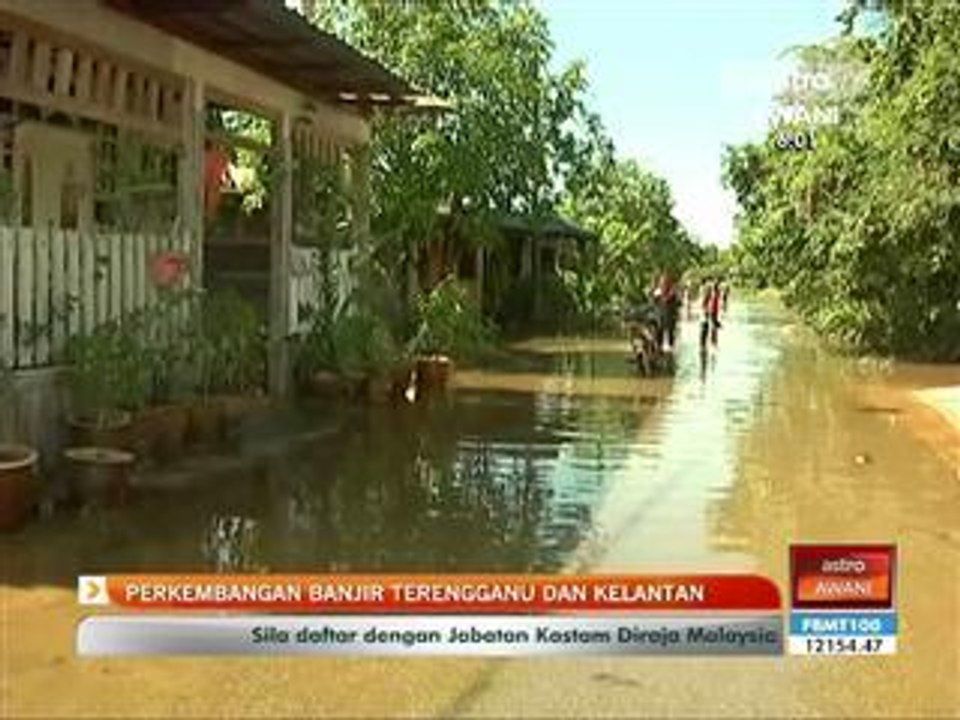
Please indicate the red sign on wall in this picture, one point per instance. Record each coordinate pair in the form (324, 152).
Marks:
(167, 269)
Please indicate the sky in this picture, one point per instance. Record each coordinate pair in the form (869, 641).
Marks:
(676, 80)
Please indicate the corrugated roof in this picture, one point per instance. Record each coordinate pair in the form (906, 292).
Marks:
(267, 36)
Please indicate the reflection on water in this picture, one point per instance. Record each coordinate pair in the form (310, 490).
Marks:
(492, 480)
(559, 456)
(230, 544)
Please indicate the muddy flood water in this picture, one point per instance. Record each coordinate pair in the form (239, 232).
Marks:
(559, 458)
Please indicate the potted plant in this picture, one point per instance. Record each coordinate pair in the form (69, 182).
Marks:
(18, 485)
(18, 463)
(108, 379)
(100, 474)
(366, 350)
(324, 361)
(240, 360)
(353, 355)
(449, 327)
(315, 363)
(163, 424)
(228, 354)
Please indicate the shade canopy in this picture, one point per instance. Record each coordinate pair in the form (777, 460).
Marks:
(545, 226)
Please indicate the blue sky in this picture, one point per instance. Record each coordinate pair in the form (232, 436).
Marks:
(674, 80)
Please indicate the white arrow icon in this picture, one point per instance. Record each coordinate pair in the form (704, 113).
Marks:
(92, 590)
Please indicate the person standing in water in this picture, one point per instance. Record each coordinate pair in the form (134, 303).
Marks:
(668, 303)
(712, 302)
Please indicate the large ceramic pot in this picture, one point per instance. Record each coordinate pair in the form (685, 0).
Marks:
(162, 431)
(433, 374)
(113, 429)
(100, 474)
(17, 485)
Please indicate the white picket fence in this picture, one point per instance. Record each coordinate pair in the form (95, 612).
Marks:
(55, 284)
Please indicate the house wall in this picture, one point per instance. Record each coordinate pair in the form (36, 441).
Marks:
(218, 78)
(93, 23)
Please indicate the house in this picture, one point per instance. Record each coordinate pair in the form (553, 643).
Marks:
(114, 116)
(506, 262)
(534, 252)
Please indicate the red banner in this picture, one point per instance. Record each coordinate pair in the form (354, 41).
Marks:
(511, 594)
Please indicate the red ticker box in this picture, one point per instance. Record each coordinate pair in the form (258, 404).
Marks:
(842, 576)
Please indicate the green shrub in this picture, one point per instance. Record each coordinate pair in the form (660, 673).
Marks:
(225, 344)
(449, 322)
(354, 340)
(108, 369)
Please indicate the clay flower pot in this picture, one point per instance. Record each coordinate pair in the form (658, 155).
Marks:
(100, 474)
(113, 429)
(433, 374)
(162, 431)
(17, 485)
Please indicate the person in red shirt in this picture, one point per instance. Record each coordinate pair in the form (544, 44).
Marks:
(711, 309)
(216, 171)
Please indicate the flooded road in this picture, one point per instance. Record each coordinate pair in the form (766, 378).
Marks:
(558, 459)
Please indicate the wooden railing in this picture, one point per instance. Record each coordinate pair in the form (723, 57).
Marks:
(44, 67)
(56, 284)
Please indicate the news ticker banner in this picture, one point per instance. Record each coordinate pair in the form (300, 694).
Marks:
(432, 594)
(492, 615)
(841, 604)
(843, 600)
(419, 635)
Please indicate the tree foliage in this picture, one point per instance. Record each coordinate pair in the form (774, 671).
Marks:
(520, 139)
(516, 133)
(631, 211)
(863, 233)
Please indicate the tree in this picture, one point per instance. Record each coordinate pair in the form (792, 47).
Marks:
(631, 210)
(517, 134)
(863, 233)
